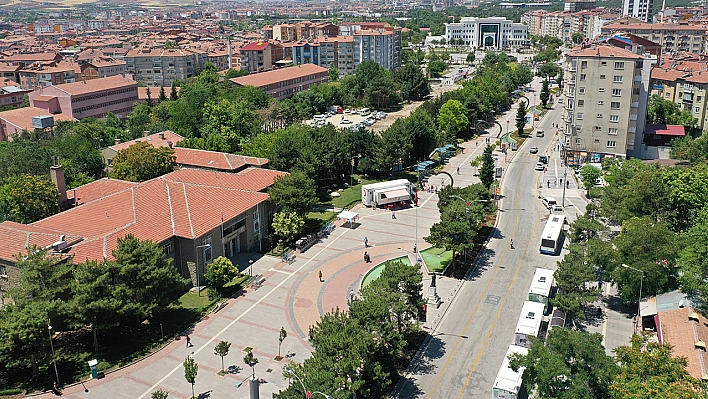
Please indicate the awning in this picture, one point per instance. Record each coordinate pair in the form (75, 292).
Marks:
(393, 195)
(648, 307)
(348, 215)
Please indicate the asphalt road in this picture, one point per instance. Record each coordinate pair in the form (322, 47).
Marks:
(462, 356)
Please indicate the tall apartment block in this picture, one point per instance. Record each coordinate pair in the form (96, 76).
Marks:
(382, 46)
(606, 96)
(641, 9)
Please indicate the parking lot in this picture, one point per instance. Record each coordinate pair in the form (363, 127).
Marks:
(344, 120)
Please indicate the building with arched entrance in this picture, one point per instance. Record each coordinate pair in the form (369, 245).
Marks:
(490, 33)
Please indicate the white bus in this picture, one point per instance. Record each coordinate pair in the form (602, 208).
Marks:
(552, 236)
(508, 382)
(529, 323)
(364, 111)
(541, 286)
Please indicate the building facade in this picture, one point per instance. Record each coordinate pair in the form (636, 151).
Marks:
(672, 37)
(640, 9)
(285, 82)
(606, 93)
(382, 46)
(495, 32)
(162, 67)
(92, 98)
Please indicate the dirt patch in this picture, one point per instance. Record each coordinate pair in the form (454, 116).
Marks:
(384, 124)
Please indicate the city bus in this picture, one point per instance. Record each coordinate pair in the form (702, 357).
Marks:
(541, 287)
(552, 237)
(508, 382)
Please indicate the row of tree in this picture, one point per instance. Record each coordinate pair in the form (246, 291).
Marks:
(360, 352)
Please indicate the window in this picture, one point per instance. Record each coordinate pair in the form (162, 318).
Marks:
(697, 110)
(580, 115)
(667, 95)
(601, 89)
(602, 76)
(581, 90)
(603, 63)
(577, 141)
(581, 103)
(582, 77)
(611, 144)
(614, 118)
(167, 249)
(616, 92)
(615, 105)
(600, 103)
(598, 128)
(583, 64)
(613, 130)
(599, 115)
(698, 98)
(619, 65)
(617, 79)
(3, 271)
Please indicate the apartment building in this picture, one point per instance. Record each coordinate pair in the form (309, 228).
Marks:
(492, 32)
(257, 57)
(89, 98)
(102, 67)
(686, 84)
(339, 51)
(640, 9)
(11, 71)
(284, 32)
(381, 46)
(162, 67)
(563, 24)
(285, 82)
(38, 75)
(672, 37)
(578, 5)
(606, 93)
(306, 52)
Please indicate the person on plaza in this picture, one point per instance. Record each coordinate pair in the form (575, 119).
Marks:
(366, 242)
(567, 184)
(393, 214)
(320, 275)
(511, 243)
(366, 256)
(561, 180)
(458, 170)
(189, 342)
(351, 296)
(549, 183)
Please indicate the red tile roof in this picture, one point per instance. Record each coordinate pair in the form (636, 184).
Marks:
(682, 334)
(278, 75)
(668, 75)
(603, 51)
(259, 46)
(186, 203)
(665, 130)
(94, 85)
(162, 139)
(22, 117)
(215, 160)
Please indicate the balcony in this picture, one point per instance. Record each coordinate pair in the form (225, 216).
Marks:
(638, 78)
(633, 117)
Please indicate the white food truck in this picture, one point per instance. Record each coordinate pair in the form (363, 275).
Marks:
(387, 192)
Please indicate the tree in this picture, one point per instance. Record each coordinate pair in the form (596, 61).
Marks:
(693, 258)
(141, 161)
(590, 174)
(159, 394)
(163, 96)
(281, 338)
(190, 371)
(288, 225)
(521, 118)
(173, 92)
(452, 119)
(470, 58)
(436, 68)
(577, 37)
(382, 92)
(475, 163)
(458, 226)
(23, 329)
(220, 272)
(148, 99)
(234, 120)
(576, 280)
(222, 349)
(486, 174)
(235, 73)
(150, 281)
(647, 370)
(29, 198)
(332, 73)
(414, 85)
(545, 93)
(570, 364)
(393, 146)
(294, 192)
(250, 360)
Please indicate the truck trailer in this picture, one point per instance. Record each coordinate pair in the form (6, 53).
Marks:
(387, 192)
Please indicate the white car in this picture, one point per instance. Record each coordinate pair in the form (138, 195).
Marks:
(345, 121)
(539, 166)
(347, 111)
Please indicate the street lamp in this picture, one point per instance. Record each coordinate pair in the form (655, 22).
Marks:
(54, 357)
(199, 287)
(641, 285)
(308, 394)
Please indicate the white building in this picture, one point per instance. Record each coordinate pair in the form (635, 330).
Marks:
(641, 9)
(379, 45)
(495, 32)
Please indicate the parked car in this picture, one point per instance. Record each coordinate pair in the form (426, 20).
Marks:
(345, 121)
(534, 150)
(539, 166)
(347, 111)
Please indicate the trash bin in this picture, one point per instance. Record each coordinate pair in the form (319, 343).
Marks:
(94, 368)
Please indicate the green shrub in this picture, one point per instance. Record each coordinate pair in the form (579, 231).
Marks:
(8, 392)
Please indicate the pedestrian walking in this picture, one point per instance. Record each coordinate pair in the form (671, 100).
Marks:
(366, 242)
(351, 296)
(555, 182)
(458, 170)
(366, 256)
(189, 342)
(561, 181)
(393, 214)
(320, 275)
(567, 184)
(415, 248)
(549, 183)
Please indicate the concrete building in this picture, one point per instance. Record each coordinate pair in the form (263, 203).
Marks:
(102, 68)
(606, 93)
(39, 75)
(306, 52)
(686, 84)
(640, 9)
(285, 82)
(382, 46)
(578, 5)
(499, 33)
(672, 37)
(162, 67)
(339, 51)
(257, 57)
(92, 98)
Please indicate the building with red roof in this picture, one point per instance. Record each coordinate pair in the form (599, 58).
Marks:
(195, 215)
(285, 82)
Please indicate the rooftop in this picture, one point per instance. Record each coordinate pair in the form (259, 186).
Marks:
(94, 85)
(278, 75)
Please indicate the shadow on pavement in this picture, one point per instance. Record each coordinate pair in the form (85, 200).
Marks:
(204, 395)
(615, 304)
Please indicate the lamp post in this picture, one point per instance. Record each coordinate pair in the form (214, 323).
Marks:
(54, 357)
(308, 394)
(639, 301)
(199, 287)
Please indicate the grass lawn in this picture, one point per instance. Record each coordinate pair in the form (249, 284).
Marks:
(192, 300)
(375, 272)
(350, 195)
(436, 259)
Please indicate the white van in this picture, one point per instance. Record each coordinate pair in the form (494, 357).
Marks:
(364, 111)
(549, 202)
